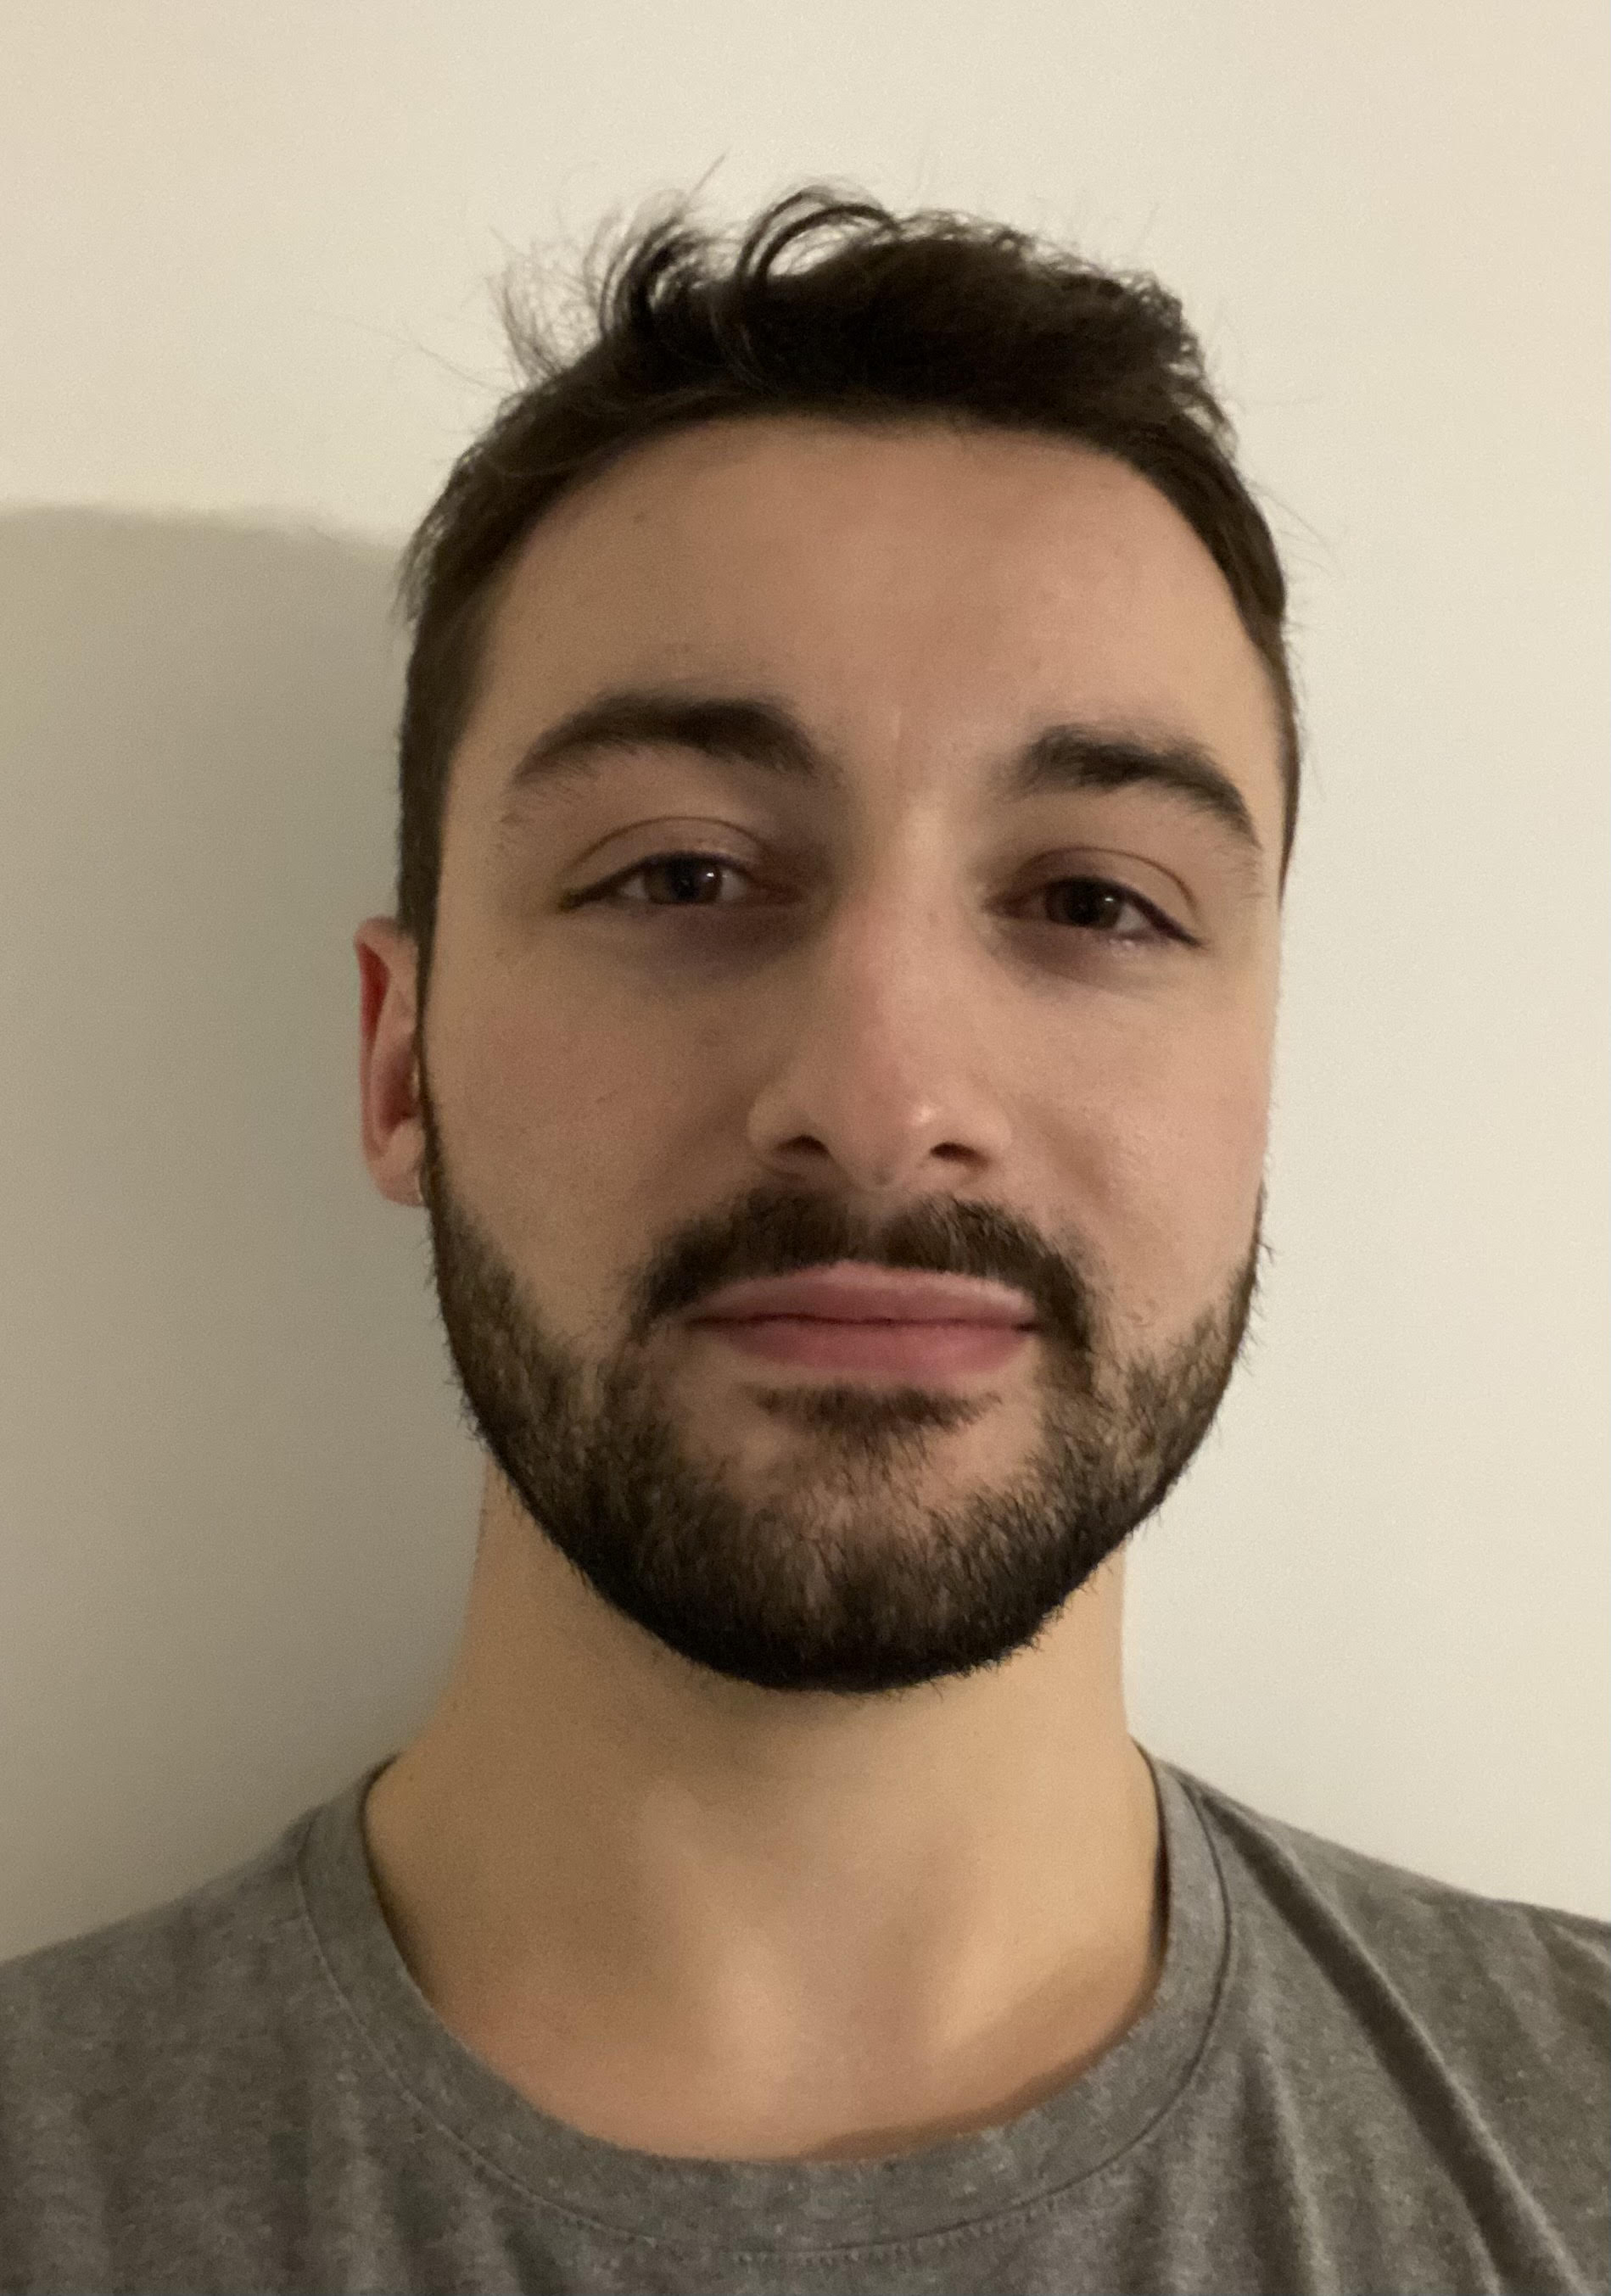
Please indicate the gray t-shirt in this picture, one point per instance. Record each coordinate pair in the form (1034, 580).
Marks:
(1351, 2079)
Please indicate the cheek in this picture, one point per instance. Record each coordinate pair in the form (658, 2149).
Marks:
(573, 1124)
(1216, 1160)
(1179, 1177)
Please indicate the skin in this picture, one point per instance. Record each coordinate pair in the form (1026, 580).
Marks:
(781, 1802)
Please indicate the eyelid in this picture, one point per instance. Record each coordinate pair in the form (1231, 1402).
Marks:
(1164, 928)
(688, 842)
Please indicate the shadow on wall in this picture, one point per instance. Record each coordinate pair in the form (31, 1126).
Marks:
(236, 1500)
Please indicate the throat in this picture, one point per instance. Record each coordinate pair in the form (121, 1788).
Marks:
(848, 2101)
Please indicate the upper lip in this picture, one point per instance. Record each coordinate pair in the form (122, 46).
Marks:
(870, 1295)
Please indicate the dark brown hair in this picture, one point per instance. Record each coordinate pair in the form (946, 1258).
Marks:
(928, 317)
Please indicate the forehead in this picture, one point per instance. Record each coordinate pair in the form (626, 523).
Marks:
(921, 589)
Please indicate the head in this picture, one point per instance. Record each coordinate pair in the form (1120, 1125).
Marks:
(913, 594)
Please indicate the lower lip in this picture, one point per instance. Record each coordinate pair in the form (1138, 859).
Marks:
(913, 1350)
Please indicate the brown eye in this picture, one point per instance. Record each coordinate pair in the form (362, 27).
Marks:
(1088, 904)
(692, 879)
(1091, 903)
(694, 874)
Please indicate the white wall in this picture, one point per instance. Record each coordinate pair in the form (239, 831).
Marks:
(244, 267)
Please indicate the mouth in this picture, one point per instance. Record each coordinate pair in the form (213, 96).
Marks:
(903, 1349)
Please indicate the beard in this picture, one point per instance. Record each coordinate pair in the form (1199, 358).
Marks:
(832, 1574)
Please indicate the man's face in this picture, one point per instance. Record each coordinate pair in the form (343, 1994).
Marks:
(899, 1027)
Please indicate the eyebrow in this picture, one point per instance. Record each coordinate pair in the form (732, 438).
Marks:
(753, 731)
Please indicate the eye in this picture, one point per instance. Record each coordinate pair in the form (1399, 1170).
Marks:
(697, 875)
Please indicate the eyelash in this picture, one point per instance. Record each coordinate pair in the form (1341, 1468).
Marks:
(1160, 932)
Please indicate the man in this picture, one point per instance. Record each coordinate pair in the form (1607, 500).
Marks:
(848, 773)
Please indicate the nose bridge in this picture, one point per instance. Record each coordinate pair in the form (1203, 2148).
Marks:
(883, 1029)
(895, 906)
(901, 828)
(891, 1002)
(880, 1051)
(895, 923)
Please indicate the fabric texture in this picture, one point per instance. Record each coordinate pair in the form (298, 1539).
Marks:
(1351, 2079)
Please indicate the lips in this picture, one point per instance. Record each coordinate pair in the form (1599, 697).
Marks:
(849, 1294)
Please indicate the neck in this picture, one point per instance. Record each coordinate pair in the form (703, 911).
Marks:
(672, 1907)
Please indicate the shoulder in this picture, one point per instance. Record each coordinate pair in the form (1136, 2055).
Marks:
(1497, 1977)
(143, 2070)
(94, 2025)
